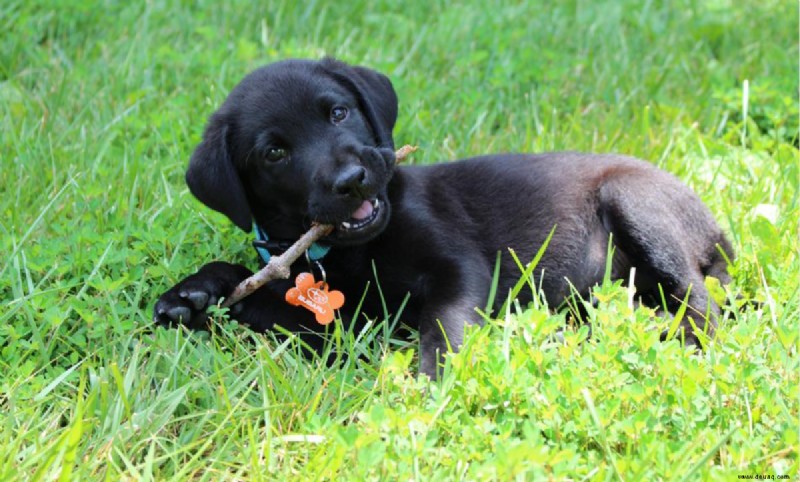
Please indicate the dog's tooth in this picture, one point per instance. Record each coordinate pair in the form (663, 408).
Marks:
(346, 225)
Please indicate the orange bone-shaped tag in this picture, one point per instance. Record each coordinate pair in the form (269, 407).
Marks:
(315, 297)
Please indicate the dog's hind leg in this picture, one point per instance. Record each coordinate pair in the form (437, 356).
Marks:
(452, 306)
(673, 241)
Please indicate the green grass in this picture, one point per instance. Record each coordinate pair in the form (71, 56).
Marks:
(101, 104)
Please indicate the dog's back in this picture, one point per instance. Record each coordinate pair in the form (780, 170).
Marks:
(657, 224)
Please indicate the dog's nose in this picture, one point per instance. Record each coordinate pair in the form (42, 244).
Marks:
(350, 181)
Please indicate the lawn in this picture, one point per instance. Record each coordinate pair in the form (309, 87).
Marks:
(101, 104)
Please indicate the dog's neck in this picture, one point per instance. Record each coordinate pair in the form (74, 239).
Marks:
(267, 248)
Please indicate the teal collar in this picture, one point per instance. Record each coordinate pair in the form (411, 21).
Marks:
(263, 244)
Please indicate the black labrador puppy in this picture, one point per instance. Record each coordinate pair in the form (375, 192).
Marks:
(303, 141)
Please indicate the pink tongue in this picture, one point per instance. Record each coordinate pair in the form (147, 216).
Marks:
(363, 212)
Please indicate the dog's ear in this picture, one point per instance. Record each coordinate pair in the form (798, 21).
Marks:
(374, 92)
(212, 177)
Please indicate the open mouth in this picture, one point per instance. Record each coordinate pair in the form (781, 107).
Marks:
(364, 223)
(362, 218)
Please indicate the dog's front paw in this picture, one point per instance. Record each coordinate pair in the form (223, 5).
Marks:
(186, 303)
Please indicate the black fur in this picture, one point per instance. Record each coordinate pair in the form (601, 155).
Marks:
(437, 229)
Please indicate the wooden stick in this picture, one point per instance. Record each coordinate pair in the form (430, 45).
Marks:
(279, 266)
(404, 152)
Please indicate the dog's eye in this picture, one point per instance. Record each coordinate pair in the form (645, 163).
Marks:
(275, 154)
(338, 114)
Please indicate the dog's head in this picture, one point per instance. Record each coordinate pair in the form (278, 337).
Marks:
(301, 141)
